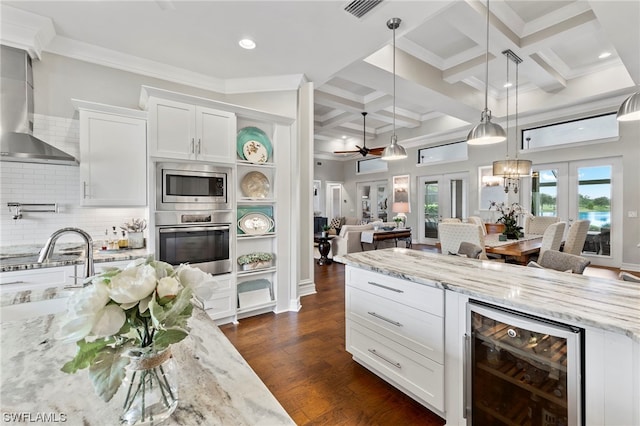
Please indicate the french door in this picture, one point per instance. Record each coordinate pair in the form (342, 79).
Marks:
(373, 201)
(586, 189)
(441, 196)
(334, 200)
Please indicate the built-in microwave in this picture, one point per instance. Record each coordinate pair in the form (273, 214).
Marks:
(190, 186)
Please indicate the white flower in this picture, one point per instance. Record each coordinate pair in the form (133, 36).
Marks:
(133, 284)
(199, 281)
(108, 321)
(84, 308)
(168, 287)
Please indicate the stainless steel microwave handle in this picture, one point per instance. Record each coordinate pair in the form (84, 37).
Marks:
(194, 229)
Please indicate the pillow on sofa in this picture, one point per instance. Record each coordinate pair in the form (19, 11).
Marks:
(336, 222)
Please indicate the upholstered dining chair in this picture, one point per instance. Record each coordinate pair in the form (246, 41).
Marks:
(625, 276)
(552, 237)
(538, 224)
(559, 261)
(451, 234)
(576, 237)
(478, 221)
(450, 220)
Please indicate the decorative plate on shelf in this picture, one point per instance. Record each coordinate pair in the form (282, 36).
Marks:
(253, 145)
(255, 223)
(255, 185)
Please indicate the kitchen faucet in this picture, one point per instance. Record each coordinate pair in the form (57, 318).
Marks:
(47, 250)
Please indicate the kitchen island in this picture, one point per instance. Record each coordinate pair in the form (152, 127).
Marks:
(432, 291)
(216, 385)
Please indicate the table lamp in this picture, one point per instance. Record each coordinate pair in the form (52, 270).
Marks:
(401, 209)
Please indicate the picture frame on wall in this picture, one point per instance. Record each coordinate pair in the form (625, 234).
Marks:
(401, 189)
(490, 188)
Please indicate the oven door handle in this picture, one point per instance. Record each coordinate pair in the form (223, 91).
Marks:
(193, 229)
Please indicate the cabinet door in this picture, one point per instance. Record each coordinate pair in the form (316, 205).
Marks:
(113, 160)
(172, 130)
(215, 135)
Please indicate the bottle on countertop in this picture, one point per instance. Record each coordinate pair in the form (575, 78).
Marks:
(123, 243)
(113, 240)
(105, 243)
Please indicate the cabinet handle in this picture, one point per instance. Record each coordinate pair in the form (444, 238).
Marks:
(192, 146)
(384, 358)
(84, 189)
(466, 347)
(396, 323)
(386, 287)
(199, 144)
(14, 282)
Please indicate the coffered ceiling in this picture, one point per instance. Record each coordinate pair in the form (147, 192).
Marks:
(440, 61)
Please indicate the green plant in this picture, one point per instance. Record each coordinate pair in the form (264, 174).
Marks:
(326, 228)
(254, 257)
(397, 219)
(509, 217)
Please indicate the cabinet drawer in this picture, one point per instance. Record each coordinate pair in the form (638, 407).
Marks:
(418, 376)
(223, 284)
(419, 296)
(413, 328)
(220, 306)
(37, 278)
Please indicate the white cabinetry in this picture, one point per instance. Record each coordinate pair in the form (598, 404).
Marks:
(190, 132)
(39, 279)
(396, 329)
(113, 156)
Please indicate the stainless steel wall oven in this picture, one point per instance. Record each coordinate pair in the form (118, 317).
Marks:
(198, 238)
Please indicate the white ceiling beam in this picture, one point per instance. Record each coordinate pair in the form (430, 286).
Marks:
(624, 34)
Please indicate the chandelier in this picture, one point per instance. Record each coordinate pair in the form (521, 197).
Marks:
(511, 170)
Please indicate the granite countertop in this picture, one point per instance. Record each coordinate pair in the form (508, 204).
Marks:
(571, 298)
(24, 257)
(217, 386)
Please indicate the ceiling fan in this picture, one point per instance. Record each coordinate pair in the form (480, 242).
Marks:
(364, 151)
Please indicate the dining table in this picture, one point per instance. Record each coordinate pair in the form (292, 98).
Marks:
(519, 251)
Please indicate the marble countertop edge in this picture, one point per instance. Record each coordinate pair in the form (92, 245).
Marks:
(583, 301)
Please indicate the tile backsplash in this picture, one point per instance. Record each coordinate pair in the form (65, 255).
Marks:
(43, 183)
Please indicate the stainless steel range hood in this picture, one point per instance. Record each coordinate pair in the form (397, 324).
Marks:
(17, 142)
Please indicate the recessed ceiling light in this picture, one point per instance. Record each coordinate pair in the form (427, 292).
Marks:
(247, 43)
(604, 55)
(508, 84)
(344, 137)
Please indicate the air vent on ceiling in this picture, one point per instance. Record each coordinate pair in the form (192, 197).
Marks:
(359, 8)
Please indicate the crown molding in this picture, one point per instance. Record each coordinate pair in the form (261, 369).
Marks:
(35, 34)
(25, 30)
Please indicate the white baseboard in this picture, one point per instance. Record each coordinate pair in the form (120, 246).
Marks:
(306, 288)
(630, 267)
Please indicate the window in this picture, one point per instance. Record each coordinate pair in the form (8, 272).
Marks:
(577, 131)
(456, 151)
(371, 165)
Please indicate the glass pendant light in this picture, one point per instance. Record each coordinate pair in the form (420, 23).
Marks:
(630, 108)
(486, 132)
(394, 151)
(512, 170)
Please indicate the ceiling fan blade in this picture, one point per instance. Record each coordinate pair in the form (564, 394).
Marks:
(376, 151)
(346, 152)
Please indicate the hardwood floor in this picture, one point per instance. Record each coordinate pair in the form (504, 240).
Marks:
(301, 357)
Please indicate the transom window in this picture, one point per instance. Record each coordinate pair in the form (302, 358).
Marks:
(456, 151)
(571, 132)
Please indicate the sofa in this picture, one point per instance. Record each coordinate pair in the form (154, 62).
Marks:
(348, 240)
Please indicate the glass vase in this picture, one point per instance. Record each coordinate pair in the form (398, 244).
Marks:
(151, 385)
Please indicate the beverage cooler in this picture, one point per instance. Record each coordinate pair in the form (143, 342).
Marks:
(521, 370)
